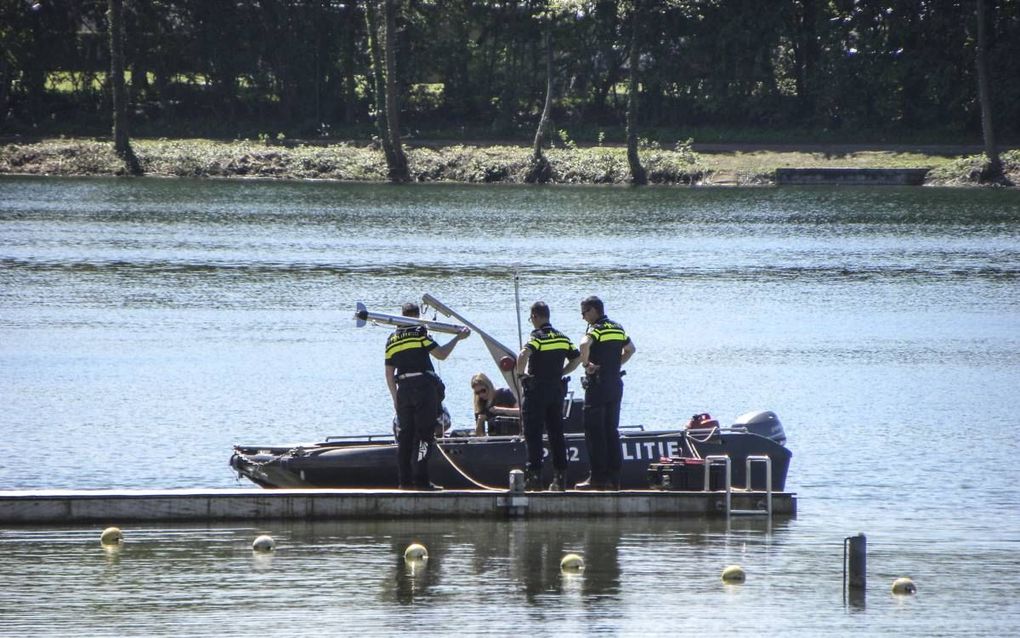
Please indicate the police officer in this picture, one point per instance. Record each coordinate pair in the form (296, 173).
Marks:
(604, 349)
(415, 388)
(541, 362)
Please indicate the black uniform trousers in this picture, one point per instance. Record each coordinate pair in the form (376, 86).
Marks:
(542, 409)
(602, 428)
(417, 411)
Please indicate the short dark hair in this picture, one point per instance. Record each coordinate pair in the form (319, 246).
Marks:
(593, 302)
(540, 309)
(410, 309)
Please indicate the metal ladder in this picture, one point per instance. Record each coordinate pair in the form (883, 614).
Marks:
(724, 459)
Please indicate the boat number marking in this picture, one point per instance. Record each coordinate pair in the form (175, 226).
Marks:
(633, 451)
(573, 454)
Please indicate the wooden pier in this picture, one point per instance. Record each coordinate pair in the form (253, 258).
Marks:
(39, 507)
(852, 176)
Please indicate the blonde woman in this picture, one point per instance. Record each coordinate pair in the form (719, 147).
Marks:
(490, 402)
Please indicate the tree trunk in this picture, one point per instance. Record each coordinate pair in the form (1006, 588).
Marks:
(398, 169)
(347, 66)
(378, 81)
(604, 82)
(384, 82)
(5, 83)
(458, 92)
(503, 124)
(541, 170)
(806, 55)
(33, 72)
(121, 143)
(638, 176)
(992, 171)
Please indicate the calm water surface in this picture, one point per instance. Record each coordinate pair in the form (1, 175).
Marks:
(147, 325)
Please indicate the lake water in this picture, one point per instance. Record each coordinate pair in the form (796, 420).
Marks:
(147, 325)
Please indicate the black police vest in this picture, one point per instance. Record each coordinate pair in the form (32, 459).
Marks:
(608, 340)
(549, 349)
(408, 350)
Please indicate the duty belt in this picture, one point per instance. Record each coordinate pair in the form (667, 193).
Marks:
(409, 375)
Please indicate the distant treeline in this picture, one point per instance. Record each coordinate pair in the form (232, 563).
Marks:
(844, 68)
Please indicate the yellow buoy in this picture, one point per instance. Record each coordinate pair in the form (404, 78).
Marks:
(572, 563)
(416, 551)
(904, 586)
(111, 536)
(734, 574)
(264, 543)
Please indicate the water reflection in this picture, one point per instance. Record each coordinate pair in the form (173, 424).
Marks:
(482, 576)
(503, 560)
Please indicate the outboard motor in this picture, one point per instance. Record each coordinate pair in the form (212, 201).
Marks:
(764, 424)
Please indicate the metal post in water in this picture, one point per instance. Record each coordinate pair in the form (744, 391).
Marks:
(516, 482)
(516, 502)
(855, 567)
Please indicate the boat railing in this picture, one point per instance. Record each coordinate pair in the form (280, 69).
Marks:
(457, 438)
(370, 438)
(625, 430)
(633, 428)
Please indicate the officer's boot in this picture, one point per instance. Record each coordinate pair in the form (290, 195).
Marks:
(532, 481)
(559, 482)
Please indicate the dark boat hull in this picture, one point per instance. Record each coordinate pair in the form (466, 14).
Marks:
(370, 462)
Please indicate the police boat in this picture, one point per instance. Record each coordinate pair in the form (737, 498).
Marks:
(465, 461)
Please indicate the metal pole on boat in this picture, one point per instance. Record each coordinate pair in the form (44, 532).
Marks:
(501, 354)
(517, 300)
(363, 317)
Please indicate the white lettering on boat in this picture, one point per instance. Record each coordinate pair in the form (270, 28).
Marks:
(635, 451)
(649, 450)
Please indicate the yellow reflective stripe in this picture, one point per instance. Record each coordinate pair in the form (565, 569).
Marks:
(552, 342)
(552, 345)
(406, 344)
(609, 334)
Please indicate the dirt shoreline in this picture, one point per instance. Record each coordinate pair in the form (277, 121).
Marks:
(710, 164)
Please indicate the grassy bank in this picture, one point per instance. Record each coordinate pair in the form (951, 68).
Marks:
(468, 163)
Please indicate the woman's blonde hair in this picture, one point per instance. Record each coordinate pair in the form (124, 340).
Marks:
(481, 405)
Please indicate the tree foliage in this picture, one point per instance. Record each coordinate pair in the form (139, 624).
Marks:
(838, 68)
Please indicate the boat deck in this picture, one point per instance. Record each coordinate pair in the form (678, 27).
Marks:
(33, 507)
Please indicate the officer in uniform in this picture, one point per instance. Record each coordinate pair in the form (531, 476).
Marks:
(541, 365)
(415, 388)
(604, 349)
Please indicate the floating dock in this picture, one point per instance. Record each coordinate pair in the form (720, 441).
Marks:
(852, 176)
(41, 507)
